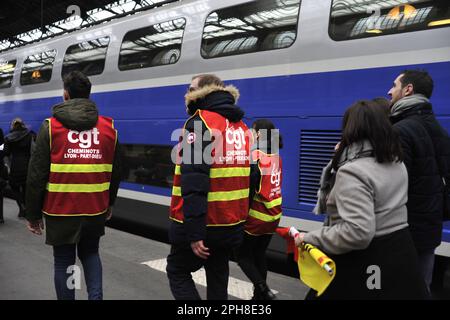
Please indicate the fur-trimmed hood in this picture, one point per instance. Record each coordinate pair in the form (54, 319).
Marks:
(203, 92)
(217, 99)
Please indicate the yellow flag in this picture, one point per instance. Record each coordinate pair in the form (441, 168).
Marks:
(316, 269)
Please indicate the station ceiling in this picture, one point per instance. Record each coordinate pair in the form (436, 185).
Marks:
(19, 16)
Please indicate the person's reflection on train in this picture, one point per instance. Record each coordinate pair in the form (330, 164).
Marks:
(210, 191)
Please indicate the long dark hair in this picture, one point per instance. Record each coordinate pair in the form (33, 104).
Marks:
(367, 120)
(270, 137)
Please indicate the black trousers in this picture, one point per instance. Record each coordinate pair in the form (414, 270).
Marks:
(1, 204)
(251, 257)
(182, 261)
(19, 194)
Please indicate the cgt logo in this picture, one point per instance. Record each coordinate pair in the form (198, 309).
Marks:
(275, 178)
(236, 137)
(84, 138)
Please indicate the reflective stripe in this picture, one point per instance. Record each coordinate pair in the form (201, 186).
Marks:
(263, 217)
(80, 168)
(220, 195)
(75, 214)
(228, 195)
(68, 187)
(270, 204)
(223, 172)
(176, 191)
(229, 172)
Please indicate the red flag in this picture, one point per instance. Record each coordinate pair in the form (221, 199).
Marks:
(291, 248)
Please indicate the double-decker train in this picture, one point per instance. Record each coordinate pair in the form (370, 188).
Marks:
(297, 62)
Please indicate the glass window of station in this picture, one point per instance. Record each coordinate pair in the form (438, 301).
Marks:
(7, 68)
(88, 57)
(37, 68)
(148, 164)
(352, 19)
(152, 46)
(251, 27)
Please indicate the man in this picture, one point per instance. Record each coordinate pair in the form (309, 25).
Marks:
(427, 157)
(73, 178)
(211, 189)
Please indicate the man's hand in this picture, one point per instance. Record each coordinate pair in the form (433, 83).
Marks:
(35, 227)
(199, 249)
(109, 213)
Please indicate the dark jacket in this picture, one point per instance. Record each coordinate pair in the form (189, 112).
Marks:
(3, 170)
(18, 149)
(424, 154)
(389, 261)
(195, 177)
(79, 115)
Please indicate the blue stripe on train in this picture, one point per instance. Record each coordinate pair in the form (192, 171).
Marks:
(148, 116)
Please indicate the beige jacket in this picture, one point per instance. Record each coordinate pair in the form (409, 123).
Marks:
(367, 200)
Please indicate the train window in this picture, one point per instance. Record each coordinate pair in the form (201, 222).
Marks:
(7, 68)
(148, 164)
(152, 46)
(352, 19)
(87, 57)
(254, 26)
(37, 68)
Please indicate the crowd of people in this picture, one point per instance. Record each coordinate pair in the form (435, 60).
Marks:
(383, 194)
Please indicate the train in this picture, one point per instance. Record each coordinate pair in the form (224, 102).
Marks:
(300, 63)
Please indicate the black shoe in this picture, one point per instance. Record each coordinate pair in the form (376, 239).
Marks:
(264, 292)
(2, 221)
(21, 214)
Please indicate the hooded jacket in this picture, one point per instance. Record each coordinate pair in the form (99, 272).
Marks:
(18, 148)
(195, 177)
(79, 115)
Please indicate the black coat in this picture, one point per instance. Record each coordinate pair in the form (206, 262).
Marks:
(425, 156)
(195, 177)
(387, 270)
(18, 149)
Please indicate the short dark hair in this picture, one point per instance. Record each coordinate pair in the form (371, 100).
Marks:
(77, 85)
(420, 80)
(273, 135)
(208, 79)
(365, 120)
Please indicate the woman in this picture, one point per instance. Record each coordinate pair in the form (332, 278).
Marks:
(366, 231)
(265, 207)
(18, 144)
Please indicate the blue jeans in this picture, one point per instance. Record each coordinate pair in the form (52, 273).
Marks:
(65, 256)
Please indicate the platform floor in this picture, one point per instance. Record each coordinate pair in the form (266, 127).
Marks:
(133, 268)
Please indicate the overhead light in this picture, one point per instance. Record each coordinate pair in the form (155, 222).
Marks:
(408, 12)
(439, 23)
(376, 31)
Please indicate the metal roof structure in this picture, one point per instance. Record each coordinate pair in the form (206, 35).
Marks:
(26, 21)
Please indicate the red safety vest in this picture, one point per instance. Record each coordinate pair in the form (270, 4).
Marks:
(80, 169)
(265, 210)
(229, 173)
